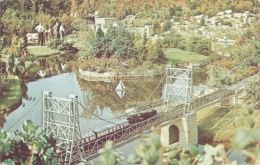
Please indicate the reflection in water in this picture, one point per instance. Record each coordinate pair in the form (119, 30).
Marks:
(103, 94)
(98, 98)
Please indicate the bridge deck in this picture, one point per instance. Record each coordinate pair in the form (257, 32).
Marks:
(134, 130)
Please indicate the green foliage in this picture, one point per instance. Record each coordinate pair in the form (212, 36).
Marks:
(99, 33)
(167, 26)
(4, 84)
(66, 46)
(219, 77)
(193, 5)
(155, 51)
(246, 55)
(60, 44)
(84, 40)
(253, 91)
(117, 42)
(228, 23)
(202, 20)
(199, 45)
(54, 43)
(33, 146)
(174, 40)
(175, 10)
(247, 140)
(110, 156)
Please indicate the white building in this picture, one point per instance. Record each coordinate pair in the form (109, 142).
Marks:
(105, 23)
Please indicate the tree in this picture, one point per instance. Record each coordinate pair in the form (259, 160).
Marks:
(199, 45)
(99, 33)
(121, 44)
(32, 146)
(3, 79)
(167, 26)
(155, 51)
(174, 40)
(202, 20)
(141, 49)
(117, 43)
(253, 91)
(85, 36)
(219, 77)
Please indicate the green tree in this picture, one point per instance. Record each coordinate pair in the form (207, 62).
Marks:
(175, 10)
(174, 40)
(117, 42)
(219, 77)
(3, 79)
(167, 26)
(253, 91)
(155, 51)
(202, 20)
(99, 33)
(84, 38)
(141, 50)
(199, 45)
(122, 44)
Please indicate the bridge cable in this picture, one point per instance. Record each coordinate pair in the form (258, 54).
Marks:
(24, 116)
(95, 115)
(152, 92)
(125, 113)
(116, 117)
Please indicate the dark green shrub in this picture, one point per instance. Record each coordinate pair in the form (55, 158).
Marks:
(54, 43)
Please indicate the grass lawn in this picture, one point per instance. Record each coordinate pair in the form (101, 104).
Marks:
(42, 51)
(216, 123)
(14, 95)
(179, 56)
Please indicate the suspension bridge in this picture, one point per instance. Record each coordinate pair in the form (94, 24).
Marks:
(61, 117)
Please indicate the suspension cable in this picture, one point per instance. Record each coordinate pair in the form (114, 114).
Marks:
(24, 116)
(117, 117)
(152, 92)
(96, 115)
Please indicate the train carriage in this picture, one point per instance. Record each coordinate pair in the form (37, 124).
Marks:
(88, 137)
(111, 128)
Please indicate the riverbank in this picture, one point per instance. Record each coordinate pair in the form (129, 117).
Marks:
(111, 76)
(12, 98)
(219, 124)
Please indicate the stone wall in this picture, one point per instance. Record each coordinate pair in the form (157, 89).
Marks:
(188, 132)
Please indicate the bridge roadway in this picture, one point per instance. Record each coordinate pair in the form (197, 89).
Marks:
(133, 131)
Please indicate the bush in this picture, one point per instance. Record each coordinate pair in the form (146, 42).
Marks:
(228, 23)
(60, 44)
(54, 43)
(65, 46)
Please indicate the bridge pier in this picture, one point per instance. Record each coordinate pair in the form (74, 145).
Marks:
(182, 131)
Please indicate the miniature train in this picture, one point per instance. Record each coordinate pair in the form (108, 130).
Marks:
(102, 133)
(132, 119)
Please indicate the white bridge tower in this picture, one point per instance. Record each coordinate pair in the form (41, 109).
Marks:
(61, 119)
(179, 89)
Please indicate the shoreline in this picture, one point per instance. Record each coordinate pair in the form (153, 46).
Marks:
(112, 76)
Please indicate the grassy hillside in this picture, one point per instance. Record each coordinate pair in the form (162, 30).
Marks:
(180, 56)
